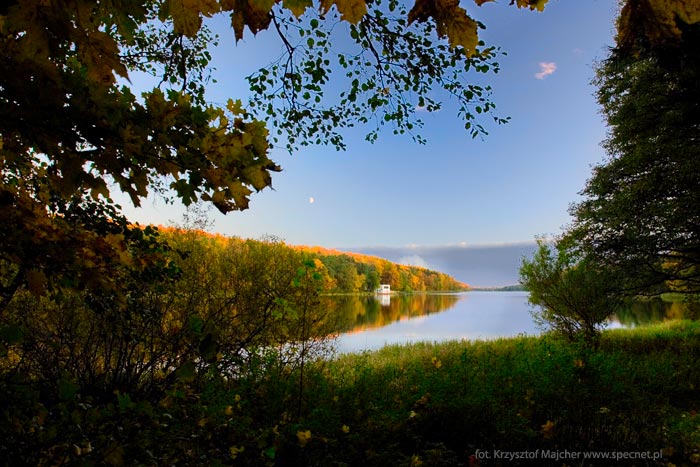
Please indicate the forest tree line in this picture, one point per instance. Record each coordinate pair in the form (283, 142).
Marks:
(337, 271)
(354, 272)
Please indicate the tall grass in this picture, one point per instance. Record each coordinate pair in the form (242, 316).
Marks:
(449, 403)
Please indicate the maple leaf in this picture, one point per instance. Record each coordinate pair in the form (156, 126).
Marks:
(461, 30)
(187, 14)
(548, 429)
(304, 437)
(254, 14)
(658, 21)
(351, 11)
(235, 451)
(531, 4)
(451, 20)
(297, 7)
(100, 53)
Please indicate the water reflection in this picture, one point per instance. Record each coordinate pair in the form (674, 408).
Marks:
(359, 313)
(432, 317)
(643, 312)
(367, 323)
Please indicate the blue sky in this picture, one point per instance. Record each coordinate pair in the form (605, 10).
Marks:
(454, 191)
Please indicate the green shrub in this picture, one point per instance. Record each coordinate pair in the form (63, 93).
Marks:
(575, 295)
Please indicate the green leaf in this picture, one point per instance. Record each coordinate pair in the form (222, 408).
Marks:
(196, 324)
(270, 452)
(124, 402)
(187, 372)
(67, 389)
(12, 334)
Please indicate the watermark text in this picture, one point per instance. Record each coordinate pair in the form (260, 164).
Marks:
(565, 454)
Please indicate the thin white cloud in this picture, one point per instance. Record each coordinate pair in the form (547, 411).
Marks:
(546, 68)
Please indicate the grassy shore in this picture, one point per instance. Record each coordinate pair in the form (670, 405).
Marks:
(521, 401)
(635, 397)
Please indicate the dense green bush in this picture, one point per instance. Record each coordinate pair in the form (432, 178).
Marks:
(147, 373)
(575, 296)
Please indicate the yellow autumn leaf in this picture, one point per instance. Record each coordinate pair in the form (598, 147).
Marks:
(235, 451)
(460, 29)
(351, 11)
(297, 7)
(451, 21)
(304, 437)
(688, 12)
(235, 106)
(531, 4)
(255, 15)
(548, 429)
(656, 20)
(187, 14)
(12, 357)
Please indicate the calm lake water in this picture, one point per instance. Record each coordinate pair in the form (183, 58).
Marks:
(434, 317)
(369, 323)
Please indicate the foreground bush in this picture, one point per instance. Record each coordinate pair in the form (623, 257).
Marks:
(423, 404)
(575, 296)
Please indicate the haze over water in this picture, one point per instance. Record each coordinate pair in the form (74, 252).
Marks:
(479, 266)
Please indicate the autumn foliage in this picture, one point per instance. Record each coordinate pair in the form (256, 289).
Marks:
(354, 272)
(211, 318)
(123, 345)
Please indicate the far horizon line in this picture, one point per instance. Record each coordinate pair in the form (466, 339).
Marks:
(465, 245)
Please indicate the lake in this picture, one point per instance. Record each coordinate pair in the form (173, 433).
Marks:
(433, 317)
(369, 323)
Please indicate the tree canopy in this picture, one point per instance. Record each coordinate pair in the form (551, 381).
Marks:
(152, 344)
(640, 208)
(637, 229)
(73, 130)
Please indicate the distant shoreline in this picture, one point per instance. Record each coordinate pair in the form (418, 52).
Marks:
(507, 288)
